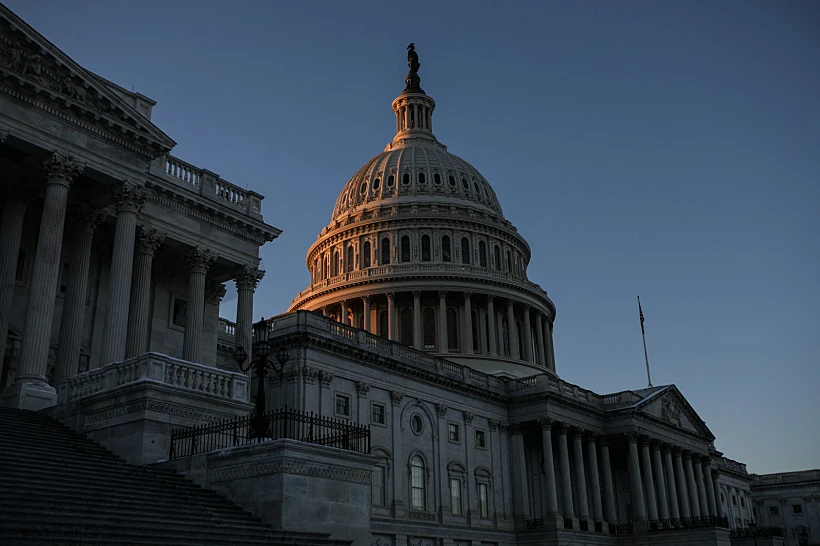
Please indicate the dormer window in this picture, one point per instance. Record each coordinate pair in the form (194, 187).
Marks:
(451, 181)
(422, 179)
(437, 178)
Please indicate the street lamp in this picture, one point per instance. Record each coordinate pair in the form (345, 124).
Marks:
(261, 364)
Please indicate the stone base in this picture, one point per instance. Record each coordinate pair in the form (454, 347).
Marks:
(30, 395)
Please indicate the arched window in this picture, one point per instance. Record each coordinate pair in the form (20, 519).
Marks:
(383, 324)
(422, 179)
(385, 257)
(390, 180)
(465, 250)
(417, 484)
(406, 327)
(509, 262)
(335, 264)
(482, 254)
(437, 178)
(451, 181)
(316, 271)
(497, 256)
(452, 329)
(366, 254)
(428, 318)
(446, 251)
(505, 334)
(476, 332)
(405, 249)
(405, 179)
(326, 265)
(349, 264)
(426, 253)
(465, 185)
(363, 188)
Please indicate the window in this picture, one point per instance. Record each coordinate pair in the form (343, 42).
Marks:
(416, 424)
(426, 254)
(465, 185)
(742, 502)
(477, 191)
(349, 260)
(797, 509)
(376, 183)
(437, 178)
(734, 500)
(343, 405)
(406, 327)
(452, 329)
(446, 251)
(377, 488)
(335, 265)
(455, 496)
(480, 438)
(363, 188)
(483, 500)
(509, 261)
(405, 179)
(451, 181)
(383, 324)
(453, 433)
(366, 254)
(385, 257)
(180, 311)
(422, 179)
(417, 484)
(377, 414)
(390, 181)
(465, 250)
(482, 254)
(428, 318)
(774, 510)
(497, 256)
(405, 249)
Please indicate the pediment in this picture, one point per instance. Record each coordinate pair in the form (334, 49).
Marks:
(670, 406)
(32, 69)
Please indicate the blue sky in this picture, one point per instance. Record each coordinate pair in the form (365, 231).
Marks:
(667, 149)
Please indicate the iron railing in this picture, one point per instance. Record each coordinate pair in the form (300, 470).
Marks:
(283, 423)
(688, 523)
(763, 532)
(535, 524)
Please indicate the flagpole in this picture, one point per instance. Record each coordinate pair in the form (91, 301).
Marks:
(643, 334)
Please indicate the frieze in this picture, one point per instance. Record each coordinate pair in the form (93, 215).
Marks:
(153, 406)
(291, 466)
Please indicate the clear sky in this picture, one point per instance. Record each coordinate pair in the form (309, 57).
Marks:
(667, 149)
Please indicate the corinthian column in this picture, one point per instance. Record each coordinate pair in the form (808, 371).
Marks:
(492, 333)
(660, 483)
(674, 513)
(13, 211)
(566, 481)
(467, 346)
(580, 476)
(442, 322)
(199, 261)
(635, 486)
(710, 488)
(539, 339)
(527, 325)
(512, 330)
(247, 278)
(549, 467)
(691, 485)
(594, 482)
(702, 500)
(366, 311)
(609, 491)
(71, 325)
(30, 389)
(680, 482)
(129, 199)
(148, 241)
(651, 504)
(417, 341)
(391, 319)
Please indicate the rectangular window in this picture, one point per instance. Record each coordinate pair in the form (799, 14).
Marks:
(483, 501)
(343, 405)
(377, 489)
(377, 414)
(797, 508)
(734, 500)
(452, 432)
(742, 502)
(774, 511)
(455, 496)
(480, 438)
(180, 311)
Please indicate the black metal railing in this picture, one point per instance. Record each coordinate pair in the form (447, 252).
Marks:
(535, 524)
(700, 522)
(282, 423)
(760, 532)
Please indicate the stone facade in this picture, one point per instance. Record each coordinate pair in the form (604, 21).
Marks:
(789, 500)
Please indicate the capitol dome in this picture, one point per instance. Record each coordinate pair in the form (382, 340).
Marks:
(418, 251)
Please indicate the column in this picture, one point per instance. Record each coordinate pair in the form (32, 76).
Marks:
(71, 325)
(609, 490)
(649, 482)
(482, 330)
(519, 466)
(148, 241)
(715, 475)
(391, 319)
(710, 489)
(594, 482)
(635, 486)
(343, 312)
(467, 346)
(30, 390)
(417, 343)
(491, 329)
(674, 513)
(199, 260)
(129, 199)
(13, 212)
(660, 483)
(442, 322)
(247, 278)
(513, 331)
(702, 502)
(566, 483)
(680, 482)
(366, 303)
(580, 477)
(539, 339)
(527, 325)
(550, 348)
(691, 487)
(549, 467)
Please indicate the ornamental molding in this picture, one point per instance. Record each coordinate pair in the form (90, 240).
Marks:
(362, 388)
(247, 277)
(156, 406)
(326, 378)
(441, 410)
(309, 375)
(290, 466)
(62, 169)
(148, 240)
(129, 197)
(396, 397)
(468, 417)
(200, 259)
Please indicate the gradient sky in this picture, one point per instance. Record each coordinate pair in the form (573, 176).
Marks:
(667, 149)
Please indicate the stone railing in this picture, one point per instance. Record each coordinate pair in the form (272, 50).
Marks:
(159, 369)
(227, 330)
(786, 477)
(548, 383)
(206, 184)
(724, 463)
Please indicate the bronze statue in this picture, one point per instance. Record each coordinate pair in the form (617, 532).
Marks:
(413, 58)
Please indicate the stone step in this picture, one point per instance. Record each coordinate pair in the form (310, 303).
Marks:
(41, 446)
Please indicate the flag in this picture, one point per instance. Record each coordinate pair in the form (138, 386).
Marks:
(640, 312)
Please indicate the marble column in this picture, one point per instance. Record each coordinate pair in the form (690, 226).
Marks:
(550, 348)
(13, 211)
(550, 493)
(148, 241)
(649, 482)
(594, 482)
(715, 475)
(129, 199)
(539, 339)
(710, 489)
(482, 331)
(417, 341)
(512, 328)
(442, 321)
(199, 261)
(674, 513)
(391, 316)
(71, 325)
(527, 325)
(467, 346)
(30, 389)
(246, 278)
(701, 486)
(660, 482)
(635, 485)
(519, 466)
(366, 311)
(609, 491)
(580, 475)
(680, 482)
(691, 486)
(566, 479)
(491, 328)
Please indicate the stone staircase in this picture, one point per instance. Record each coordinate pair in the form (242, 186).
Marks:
(58, 487)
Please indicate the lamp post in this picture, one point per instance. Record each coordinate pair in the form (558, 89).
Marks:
(261, 363)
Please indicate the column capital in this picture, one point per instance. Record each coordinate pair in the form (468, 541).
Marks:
(715, 474)
(247, 277)
(61, 169)
(214, 292)
(86, 219)
(687, 455)
(129, 197)
(655, 444)
(442, 294)
(416, 294)
(468, 295)
(592, 436)
(578, 432)
(546, 423)
(362, 388)
(441, 410)
(561, 427)
(468, 417)
(366, 299)
(200, 259)
(490, 298)
(644, 440)
(391, 296)
(632, 437)
(666, 448)
(705, 460)
(12, 188)
(396, 397)
(493, 424)
(604, 441)
(148, 240)
(515, 429)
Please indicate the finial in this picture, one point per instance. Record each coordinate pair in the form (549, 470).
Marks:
(412, 81)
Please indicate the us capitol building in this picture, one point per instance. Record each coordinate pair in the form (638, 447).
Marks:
(419, 322)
